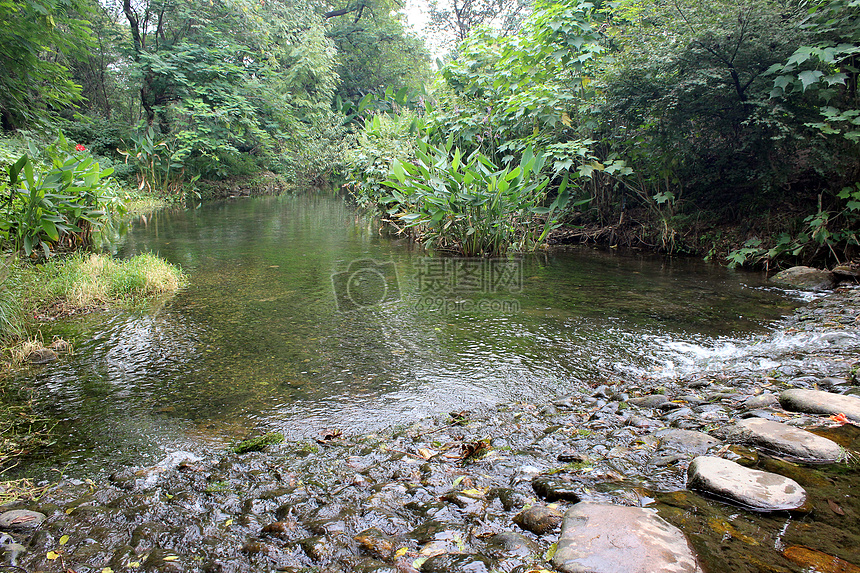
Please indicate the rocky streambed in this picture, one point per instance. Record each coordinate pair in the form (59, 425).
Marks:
(745, 468)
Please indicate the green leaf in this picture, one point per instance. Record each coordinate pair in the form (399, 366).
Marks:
(809, 77)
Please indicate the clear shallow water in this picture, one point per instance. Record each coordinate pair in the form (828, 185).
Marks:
(257, 341)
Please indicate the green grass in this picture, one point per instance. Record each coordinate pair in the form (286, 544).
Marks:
(11, 309)
(91, 280)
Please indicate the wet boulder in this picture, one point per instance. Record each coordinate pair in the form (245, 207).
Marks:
(686, 442)
(805, 278)
(820, 402)
(785, 440)
(591, 541)
(749, 488)
(376, 543)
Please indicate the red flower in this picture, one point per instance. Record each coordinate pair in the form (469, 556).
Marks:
(80, 147)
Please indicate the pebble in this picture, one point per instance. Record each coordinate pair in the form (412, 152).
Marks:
(749, 488)
(592, 541)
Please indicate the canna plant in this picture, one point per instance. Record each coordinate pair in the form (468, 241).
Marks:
(469, 205)
(160, 164)
(46, 205)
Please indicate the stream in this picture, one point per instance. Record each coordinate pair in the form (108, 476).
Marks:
(257, 341)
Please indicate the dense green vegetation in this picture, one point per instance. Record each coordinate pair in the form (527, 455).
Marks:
(673, 122)
(728, 128)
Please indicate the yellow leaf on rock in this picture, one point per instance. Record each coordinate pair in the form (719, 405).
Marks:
(228, 523)
(64, 539)
(425, 453)
(400, 552)
(52, 555)
(107, 570)
(171, 558)
(134, 564)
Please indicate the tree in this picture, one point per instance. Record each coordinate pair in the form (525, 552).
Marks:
(375, 52)
(231, 78)
(38, 40)
(453, 20)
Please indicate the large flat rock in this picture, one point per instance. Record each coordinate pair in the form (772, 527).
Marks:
(605, 538)
(785, 440)
(819, 402)
(752, 489)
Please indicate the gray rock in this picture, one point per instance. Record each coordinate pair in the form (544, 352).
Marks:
(787, 440)
(686, 442)
(761, 401)
(591, 541)
(806, 278)
(819, 402)
(538, 519)
(42, 356)
(752, 489)
(650, 401)
(21, 519)
(830, 382)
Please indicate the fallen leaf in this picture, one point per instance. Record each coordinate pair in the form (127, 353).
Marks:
(426, 453)
(835, 507)
(171, 558)
(52, 555)
(228, 523)
(64, 539)
(400, 552)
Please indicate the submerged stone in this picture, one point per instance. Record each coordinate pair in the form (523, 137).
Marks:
(787, 440)
(457, 563)
(604, 538)
(820, 402)
(752, 489)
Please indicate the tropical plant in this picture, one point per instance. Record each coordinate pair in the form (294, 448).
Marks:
(62, 202)
(160, 163)
(468, 204)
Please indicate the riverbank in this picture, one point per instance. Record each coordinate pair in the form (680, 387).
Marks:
(448, 494)
(76, 284)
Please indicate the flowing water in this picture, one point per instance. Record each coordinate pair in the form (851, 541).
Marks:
(280, 330)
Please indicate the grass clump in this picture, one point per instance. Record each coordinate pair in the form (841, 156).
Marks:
(11, 309)
(87, 280)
